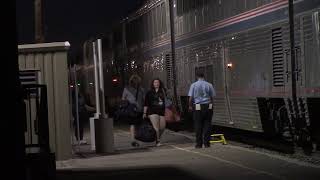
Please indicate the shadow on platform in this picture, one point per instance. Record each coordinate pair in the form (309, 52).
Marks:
(141, 173)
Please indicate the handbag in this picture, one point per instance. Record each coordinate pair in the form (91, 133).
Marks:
(123, 104)
(145, 132)
(171, 115)
(127, 109)
(167, 101)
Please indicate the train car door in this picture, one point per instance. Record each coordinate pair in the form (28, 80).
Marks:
(246, 65)
(307, 71)
(209, 59)
(221, 114)
(308, 76)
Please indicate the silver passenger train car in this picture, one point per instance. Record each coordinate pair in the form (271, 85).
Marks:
(242, 46)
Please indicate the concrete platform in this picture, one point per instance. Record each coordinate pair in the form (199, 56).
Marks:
(178, 159)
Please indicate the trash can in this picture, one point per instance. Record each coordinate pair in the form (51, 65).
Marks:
(104, 140)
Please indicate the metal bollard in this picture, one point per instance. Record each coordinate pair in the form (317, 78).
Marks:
(92, 134)
(104, 140)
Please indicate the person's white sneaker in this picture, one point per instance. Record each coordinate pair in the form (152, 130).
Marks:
(83, 142)
(158, 144)
(75, 142)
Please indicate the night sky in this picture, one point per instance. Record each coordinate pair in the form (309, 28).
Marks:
(72, 20)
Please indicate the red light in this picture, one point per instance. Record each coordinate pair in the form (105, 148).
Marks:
(115, 80)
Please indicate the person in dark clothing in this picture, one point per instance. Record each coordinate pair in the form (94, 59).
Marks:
(201, 95)
(83, 111)
(154, 108)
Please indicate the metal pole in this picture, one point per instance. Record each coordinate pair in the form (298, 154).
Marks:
(173, 50)
(293, 62)
(39, 38)
(77, 100)
(85, 63)
(96, 80)
(124, 59)
(104, 141)
(102, 98)
(70, 99)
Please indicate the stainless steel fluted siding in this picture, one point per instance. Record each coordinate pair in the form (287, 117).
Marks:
(52, 63)
(245, 113)
(220, 113)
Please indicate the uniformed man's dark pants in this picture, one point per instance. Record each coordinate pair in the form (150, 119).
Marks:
(202, 125)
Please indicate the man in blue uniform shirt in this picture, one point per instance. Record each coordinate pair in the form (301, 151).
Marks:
(201, 95)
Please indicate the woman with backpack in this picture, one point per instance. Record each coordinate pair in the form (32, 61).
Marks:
(134, 94)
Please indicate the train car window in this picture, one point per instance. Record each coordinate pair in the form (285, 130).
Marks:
(149, 31)
(144, 27)
(151, 25)
(153, 20)
(128, 32)
(135, 31)
(209, 74)
(156, 19)
(210, 11)
(199, 4)
(155, 23)
(140, 25)
(163, 18)
(160, 20)
(184, 6)
(251, 4)
(240, 7)
(117, 36)
(179, 7)
(192, 4)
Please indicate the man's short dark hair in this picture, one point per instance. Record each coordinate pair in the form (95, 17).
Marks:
(200, 75)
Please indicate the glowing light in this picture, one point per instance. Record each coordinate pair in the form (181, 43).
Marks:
(78, 84)
(71, 86)
(67, 44)
(91, 83)
(233, 38)
(115, 80)
(229, 65)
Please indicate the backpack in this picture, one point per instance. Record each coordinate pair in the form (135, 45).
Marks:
(127, 110)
